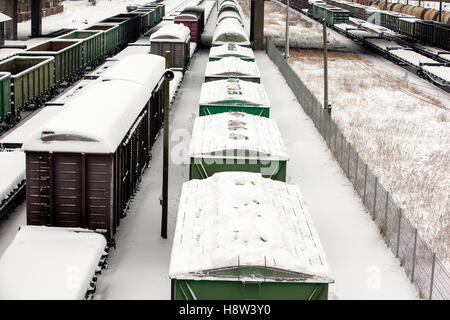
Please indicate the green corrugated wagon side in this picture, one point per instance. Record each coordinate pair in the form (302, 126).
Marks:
(233, 106)
(240, 290)
(93, 49)
(67, 54)
(31, 77)
(256, 79)
(132, 24)
(110, 35)
(120, 23)
(5, 97)
(406, 26)
(145, 18)
(202, 168)
(336, 15)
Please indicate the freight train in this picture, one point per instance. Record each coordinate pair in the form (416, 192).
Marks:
(236, 206)
(422, 24)
(32, 76)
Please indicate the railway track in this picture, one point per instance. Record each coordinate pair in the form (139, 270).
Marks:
(399, 42)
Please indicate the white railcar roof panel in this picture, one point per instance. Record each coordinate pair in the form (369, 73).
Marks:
(238, 219)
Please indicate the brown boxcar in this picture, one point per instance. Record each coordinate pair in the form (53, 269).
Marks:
(176, 39)
(193, 18)
(84, 165)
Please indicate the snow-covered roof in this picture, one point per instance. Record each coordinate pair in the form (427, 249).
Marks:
(22, 132)
(383, 44)
(229, 15)
(94, 122)
(239, 219)
(234, 90)
(97, 120)
(442, 72)
(231, 66)
(411, 56)
(214, 135)
(231, 49)
(133, 50)
(144, 69)
(4, 17)
(230, 30)
(50, 263)
(12, 172)
(173, 32)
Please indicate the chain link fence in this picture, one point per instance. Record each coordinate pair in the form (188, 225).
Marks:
(419, 262)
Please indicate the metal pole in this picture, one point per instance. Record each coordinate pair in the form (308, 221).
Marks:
(414, 256)
(165, 187)
(375, 199)
(432, 275)
(440, 11)
(398, 231)
(365, 184)
(386, 210)
(286, 53)
(325, 69)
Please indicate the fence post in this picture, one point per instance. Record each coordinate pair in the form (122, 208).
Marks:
(414, 255)
(335, 138)
(348, 161)
(365, 184)
(342, 147)
(386, 208)
(398, 234)
(432, 275)
(375, 199)
(356, 171)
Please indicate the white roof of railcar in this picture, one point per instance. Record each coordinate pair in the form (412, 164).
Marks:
(94, 122)
(173, 32)
(229, 27)
(231, 48)
(26, 128)
(4, 17)
(214, 135)
(97, 120)
(145, 69)
(231, 66)
(50, 263)
(221, 91)
(238, 219)
(229, 15)
(12, 172)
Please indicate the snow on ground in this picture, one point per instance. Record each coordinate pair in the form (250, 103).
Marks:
(35, 266)
(303, 31)
(398, 123)
(12, 172)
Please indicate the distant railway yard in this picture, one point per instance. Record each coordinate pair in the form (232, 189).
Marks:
(178, 156)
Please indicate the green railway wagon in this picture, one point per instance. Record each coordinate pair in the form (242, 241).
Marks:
(145, 18)
(5, 97)
(92, 44)
(233, 95)
(31, 79)
(110, 35)
(407, 25)
(67, 54)
(133, 25)
(240, 236)
(232, 67)
(230, 30)
(157, 14)
(237, 141)
(336, 15)
(127, 28)
(231, 50)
